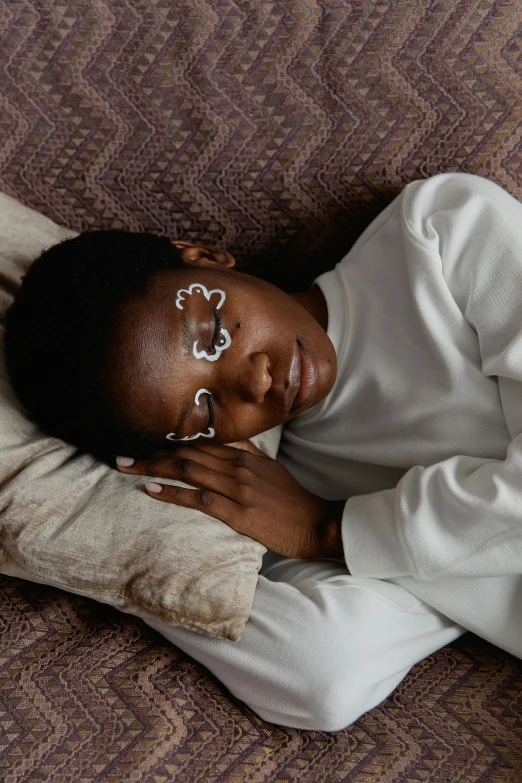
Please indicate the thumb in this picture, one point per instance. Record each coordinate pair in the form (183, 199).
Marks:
(247, 445)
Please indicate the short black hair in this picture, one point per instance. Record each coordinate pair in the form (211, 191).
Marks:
(58, 330)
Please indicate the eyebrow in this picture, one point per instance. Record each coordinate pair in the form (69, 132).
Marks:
(187, 340)
(183, 415)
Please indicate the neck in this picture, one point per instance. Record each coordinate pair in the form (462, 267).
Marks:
(314, 302)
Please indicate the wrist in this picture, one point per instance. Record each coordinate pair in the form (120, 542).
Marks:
(330, 540)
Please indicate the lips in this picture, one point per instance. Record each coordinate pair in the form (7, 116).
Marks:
(294, 380)
(302, 380)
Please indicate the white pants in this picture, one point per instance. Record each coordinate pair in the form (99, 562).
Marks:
(320, 647)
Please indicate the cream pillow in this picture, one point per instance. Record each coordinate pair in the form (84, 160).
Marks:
(70, 521)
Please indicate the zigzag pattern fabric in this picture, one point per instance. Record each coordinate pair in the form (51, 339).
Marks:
(90, 694)
(274, 129)
(277, 130)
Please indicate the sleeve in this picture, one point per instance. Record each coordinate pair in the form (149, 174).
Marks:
(461, 517)
(320, 647)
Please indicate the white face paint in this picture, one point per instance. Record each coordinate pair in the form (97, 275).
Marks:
(224, 340)
(222, 343)
(199, 288)
(209, 434)
(198, 395)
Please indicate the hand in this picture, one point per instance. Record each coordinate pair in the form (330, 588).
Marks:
(252, 493)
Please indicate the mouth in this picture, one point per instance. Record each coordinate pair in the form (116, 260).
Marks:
(294, 380)
(302, 380)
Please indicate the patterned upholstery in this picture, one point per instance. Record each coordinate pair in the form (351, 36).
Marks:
(278, 130)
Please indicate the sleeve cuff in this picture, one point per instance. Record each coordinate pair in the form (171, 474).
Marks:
(371, 542)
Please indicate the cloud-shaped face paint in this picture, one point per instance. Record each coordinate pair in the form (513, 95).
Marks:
(199, 288)
(224, 340)
(199, 393)
(222, 343)
(209, 434)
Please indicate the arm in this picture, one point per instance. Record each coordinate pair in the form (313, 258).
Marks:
(462, 516)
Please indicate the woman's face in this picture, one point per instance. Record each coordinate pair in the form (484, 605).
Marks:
(212, 355)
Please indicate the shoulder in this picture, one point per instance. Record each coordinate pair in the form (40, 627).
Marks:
(455, 192)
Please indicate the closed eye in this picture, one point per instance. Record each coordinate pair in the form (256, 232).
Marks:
(210, 404)
(211, 410)
(217, 330)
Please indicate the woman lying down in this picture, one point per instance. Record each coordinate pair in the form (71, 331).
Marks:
(393, 515)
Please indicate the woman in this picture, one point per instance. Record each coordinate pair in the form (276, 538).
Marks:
(394, 511)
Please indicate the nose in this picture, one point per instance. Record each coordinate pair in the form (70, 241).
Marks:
(255, 379)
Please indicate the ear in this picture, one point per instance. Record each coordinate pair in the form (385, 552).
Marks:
(205, 256)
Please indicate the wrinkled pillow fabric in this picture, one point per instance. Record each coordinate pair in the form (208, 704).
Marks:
(68, 520)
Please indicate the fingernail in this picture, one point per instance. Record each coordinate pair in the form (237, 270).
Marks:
(153, 487)
(125, 462)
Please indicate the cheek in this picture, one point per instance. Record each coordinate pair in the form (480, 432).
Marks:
(260, 332)
(244, 422)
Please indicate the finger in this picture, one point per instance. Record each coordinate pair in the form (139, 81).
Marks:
(198, 452)
(210, 459)
(247, 445)
(232, 451)
(158, 463)
(190, 472)
(199, 499)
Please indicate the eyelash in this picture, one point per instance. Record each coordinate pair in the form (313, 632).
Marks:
(210, 401)
(217, 329)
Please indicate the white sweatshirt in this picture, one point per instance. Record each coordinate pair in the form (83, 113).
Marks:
(422, 431)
